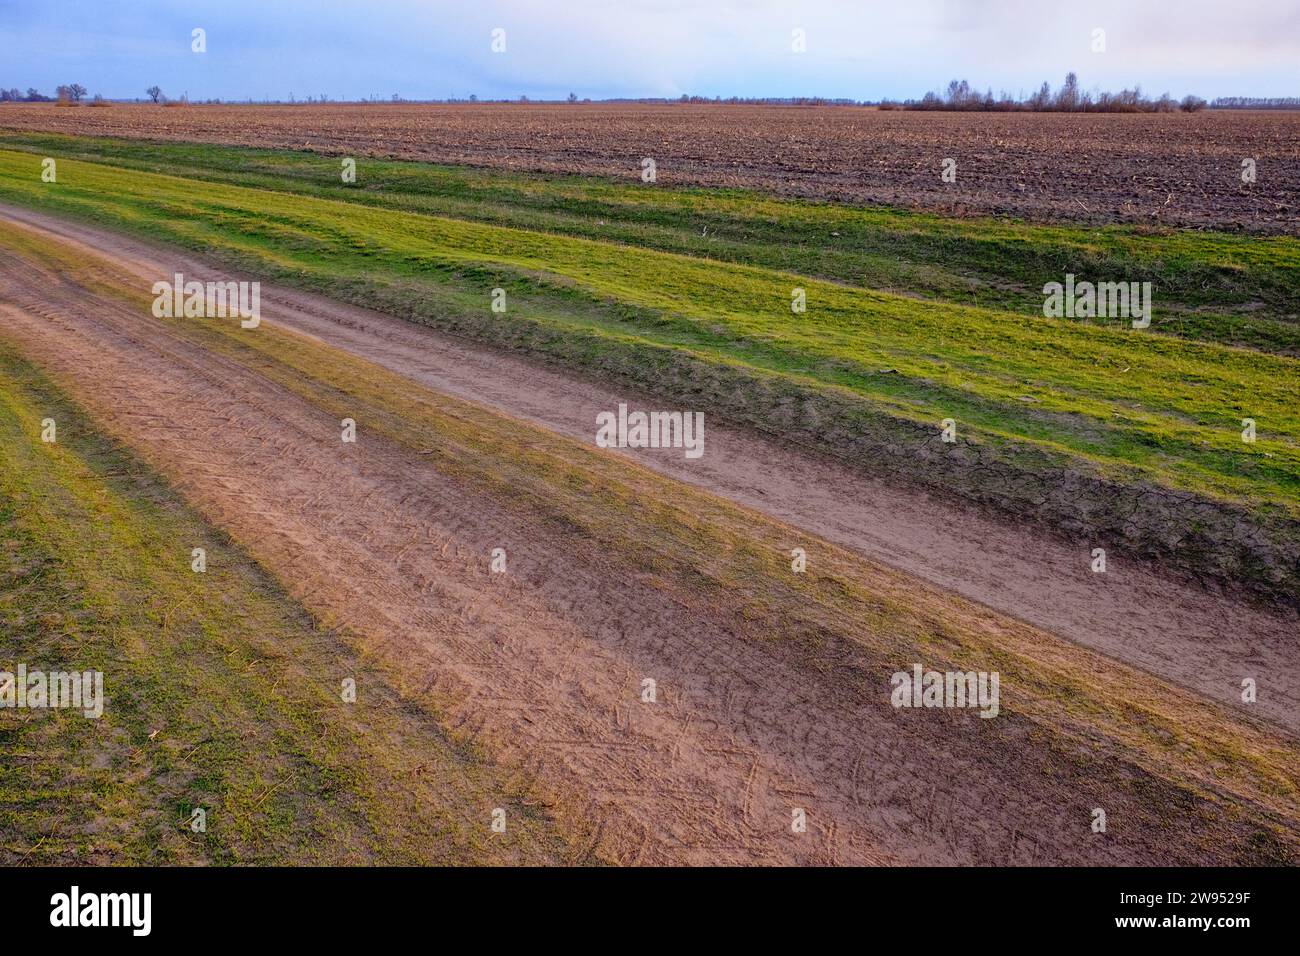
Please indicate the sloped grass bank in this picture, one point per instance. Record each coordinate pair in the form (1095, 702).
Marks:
(1208, 286)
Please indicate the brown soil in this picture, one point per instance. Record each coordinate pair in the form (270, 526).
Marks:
(1164, 169)
(1199, 638)
(544, 668)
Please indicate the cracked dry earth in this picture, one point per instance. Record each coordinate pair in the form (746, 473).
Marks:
(543, 665)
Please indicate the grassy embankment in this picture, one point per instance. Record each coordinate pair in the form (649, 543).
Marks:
(1232, 289)
(221, 692)
(1071, 720)
(1129, 438)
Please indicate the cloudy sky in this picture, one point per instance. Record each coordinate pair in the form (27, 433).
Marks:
(607, 48)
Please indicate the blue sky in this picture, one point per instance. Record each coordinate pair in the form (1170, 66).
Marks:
(609, 48)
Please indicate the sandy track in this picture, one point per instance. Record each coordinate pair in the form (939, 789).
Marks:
(544, 667)
(377, 542)
(1200, 639)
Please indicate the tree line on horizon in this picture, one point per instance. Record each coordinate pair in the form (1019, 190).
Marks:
(67, 93)
(1068, 99)
(1256, 103)
(959, 96)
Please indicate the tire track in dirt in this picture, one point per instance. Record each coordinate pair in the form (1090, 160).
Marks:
(1201, 639)
(542, 665)
(511, 670)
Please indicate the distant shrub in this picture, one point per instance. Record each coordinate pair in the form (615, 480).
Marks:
(1192, 104)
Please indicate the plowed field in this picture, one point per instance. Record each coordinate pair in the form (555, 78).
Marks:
(1176, 169)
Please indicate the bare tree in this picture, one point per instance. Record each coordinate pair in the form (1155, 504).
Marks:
(154, 92)
(1068, 96)
(76, 91)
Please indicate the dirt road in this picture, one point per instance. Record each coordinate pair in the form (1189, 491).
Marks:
(1197, 638)
(546, 669)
